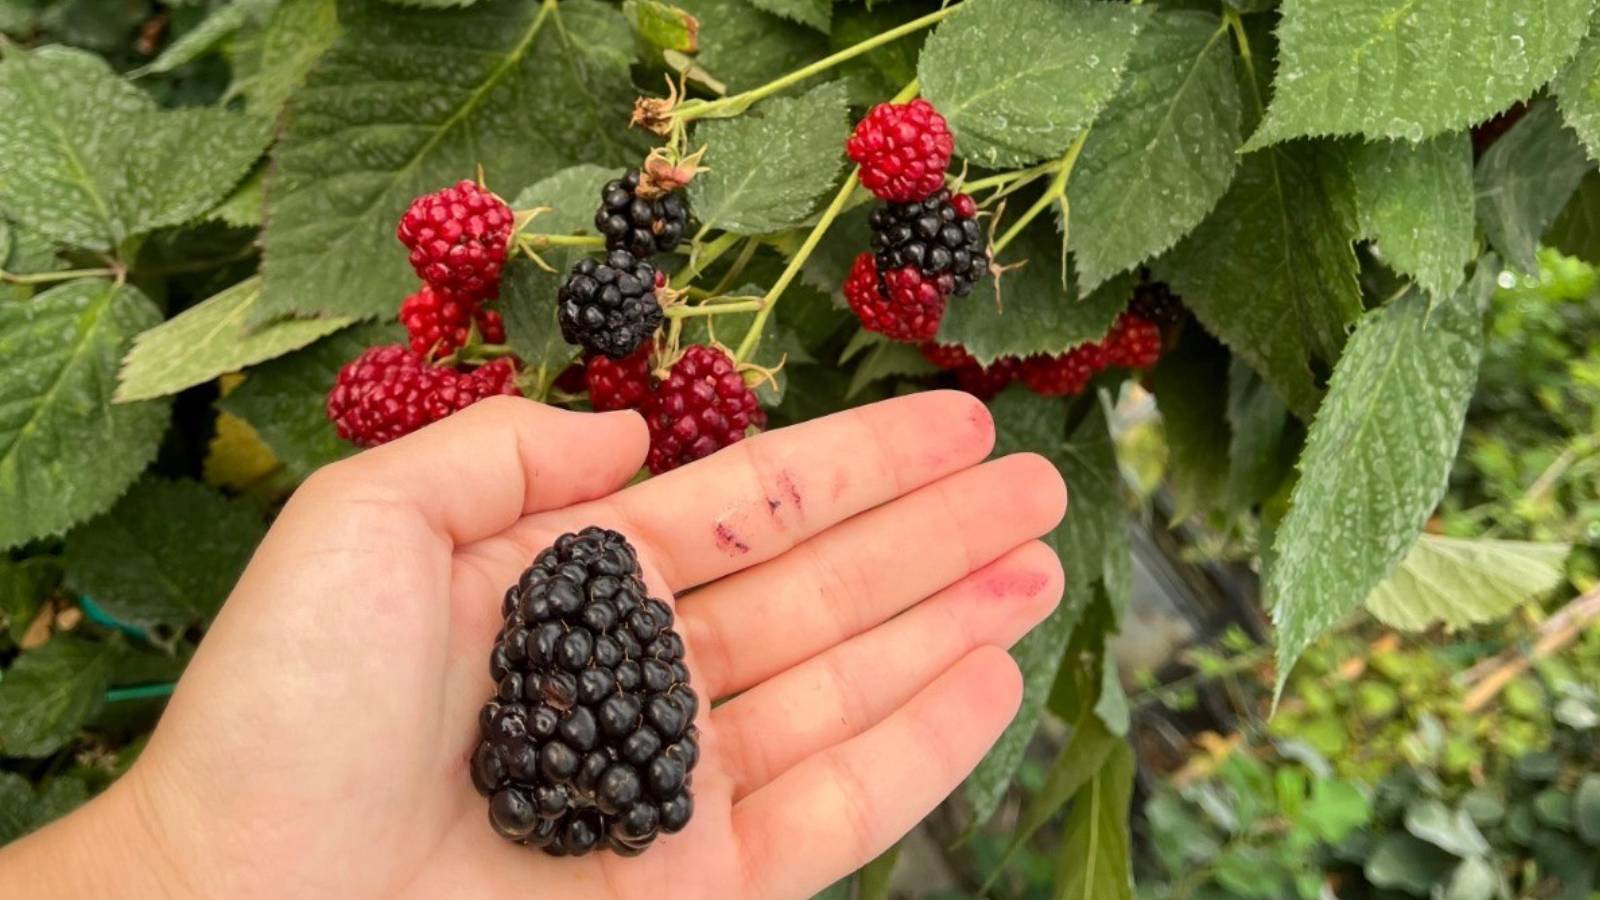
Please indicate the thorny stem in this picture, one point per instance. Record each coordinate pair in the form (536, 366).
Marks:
(53, 277)
(737, 103)
(1057, 192)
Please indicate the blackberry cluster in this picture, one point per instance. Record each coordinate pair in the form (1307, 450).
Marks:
(610, 307)
(640, 225)
(900, 304)
(439, 323)
(938, 235)
(701, 406)
(457, 239)
(589, 740)
(390, 391)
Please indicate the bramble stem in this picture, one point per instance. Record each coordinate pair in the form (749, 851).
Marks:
(739, 262)
(704, 256)
(737, 103)
(1005, 179)
(1231, 19)
(713, 309)
(53, 277)
(542, 241)
(1057, 192)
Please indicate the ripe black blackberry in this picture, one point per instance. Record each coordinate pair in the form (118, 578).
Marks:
(610, 306)
(640, 225)
(590, 738)
(939, 235)
(1155, 302)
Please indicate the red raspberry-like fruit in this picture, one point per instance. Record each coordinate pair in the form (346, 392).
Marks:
(1064, 374)
(984, 382)
(947, 356)
(457, 237)
(1134, 342)
(572, 379)
(618, 383)
(901, 304)
(701, 407)
(391, 391)
(902, 149)
(438, 322)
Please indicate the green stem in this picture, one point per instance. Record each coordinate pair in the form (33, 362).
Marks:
(542, 241)
(714, 309)
(770, 299)
(704, 256)
(1056, 192)
(735, 104)
(52, 277)
(739, 262)
(1005, 178)
(1231, 18)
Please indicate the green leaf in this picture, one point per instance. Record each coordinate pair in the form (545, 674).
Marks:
(210, 339)
(24, 586)
(1407, 863)
(1465, 582)
(1018, 79)
(1417, 201)
(218, 25)
(1334, 809)
(745, 47)
(528, 303)
(286, 399)
(1259, 444)
(49, 692)
(90, 160)
(663, 25)
(16, 806)
(1577, 91)
(1039, 313)
(572, 195)
(877, 876)
(147, 563)
(1077, 764)
(1191, 388)
(1524, 180)
(1586, 809)
(816, 13)
(1576, 232)
(1271, 271)
(1162, 153)
(246, 206)
(532, 87)
(1473, 879)
(1096, 858)
(888, 359)
(1450, 831)
(1377, 459)
(295, 37)
(66, 452)
(768, 167)
(1441, 65)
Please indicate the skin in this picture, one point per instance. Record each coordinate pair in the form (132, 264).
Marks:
(845, 588)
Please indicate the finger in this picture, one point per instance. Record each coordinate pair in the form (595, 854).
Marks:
(760, 497)
(754, 624)
(479, 471)
(842, 807)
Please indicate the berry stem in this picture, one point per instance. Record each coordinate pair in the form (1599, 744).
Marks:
(52, 277)
(737, 103)
(703, 256)
(746, 252)
(714, 309)
(1006, 179)
(1056, 192)
(1232, 20)
(543, 241)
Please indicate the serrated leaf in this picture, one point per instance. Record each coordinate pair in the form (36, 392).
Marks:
(24, 586)
(245, 207)
(1577, 91)
(66, 452)
(1077, 764)
(1258, 424)
(49, 692)
(1271, 271)
(1524, 180)
(1096, 858)
(1377, 459)
(285, 400)
(888, 359)
(532, 87)
(1465, 582)
(1018, 79)
(768, 167)
(276, 63)
(663, 24)
(1162, 153)
(16, 806)
(571, 195)
(1191, 387)
(528, 302)
(146, 563)
(1417, 201)
(1442, 65)
(89, 159)
(745, 47)
(816, 13)
(1576, 232)
(1092, 531)
(210, 339)
(1037, 313)
(218, 25)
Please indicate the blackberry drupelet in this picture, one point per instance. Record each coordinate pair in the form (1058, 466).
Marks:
(642, 226)
(939, 235)
(1155, 302)
(589, 741)
(610, 307)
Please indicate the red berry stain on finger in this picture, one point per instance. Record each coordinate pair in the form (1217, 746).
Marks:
(1013, 584)
(728, 541)
(786, 483)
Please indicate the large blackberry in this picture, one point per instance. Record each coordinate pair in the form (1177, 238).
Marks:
(642, 226)
(609, 307)
(590, 737)
(939, 235)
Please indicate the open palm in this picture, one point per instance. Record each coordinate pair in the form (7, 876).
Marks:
(843, 588)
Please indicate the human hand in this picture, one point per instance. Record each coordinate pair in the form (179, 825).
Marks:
(844, 586)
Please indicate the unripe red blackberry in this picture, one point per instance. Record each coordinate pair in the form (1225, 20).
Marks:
(438, 322)
(458, 238)
(1134, 342)
(903, 150)
(901, 303)
(702, 406)
(390, 391)
(1063, 374)
(619, 384)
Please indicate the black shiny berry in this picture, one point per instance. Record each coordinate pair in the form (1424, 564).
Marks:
(610, 308)
(641, 226)
(934, 236)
